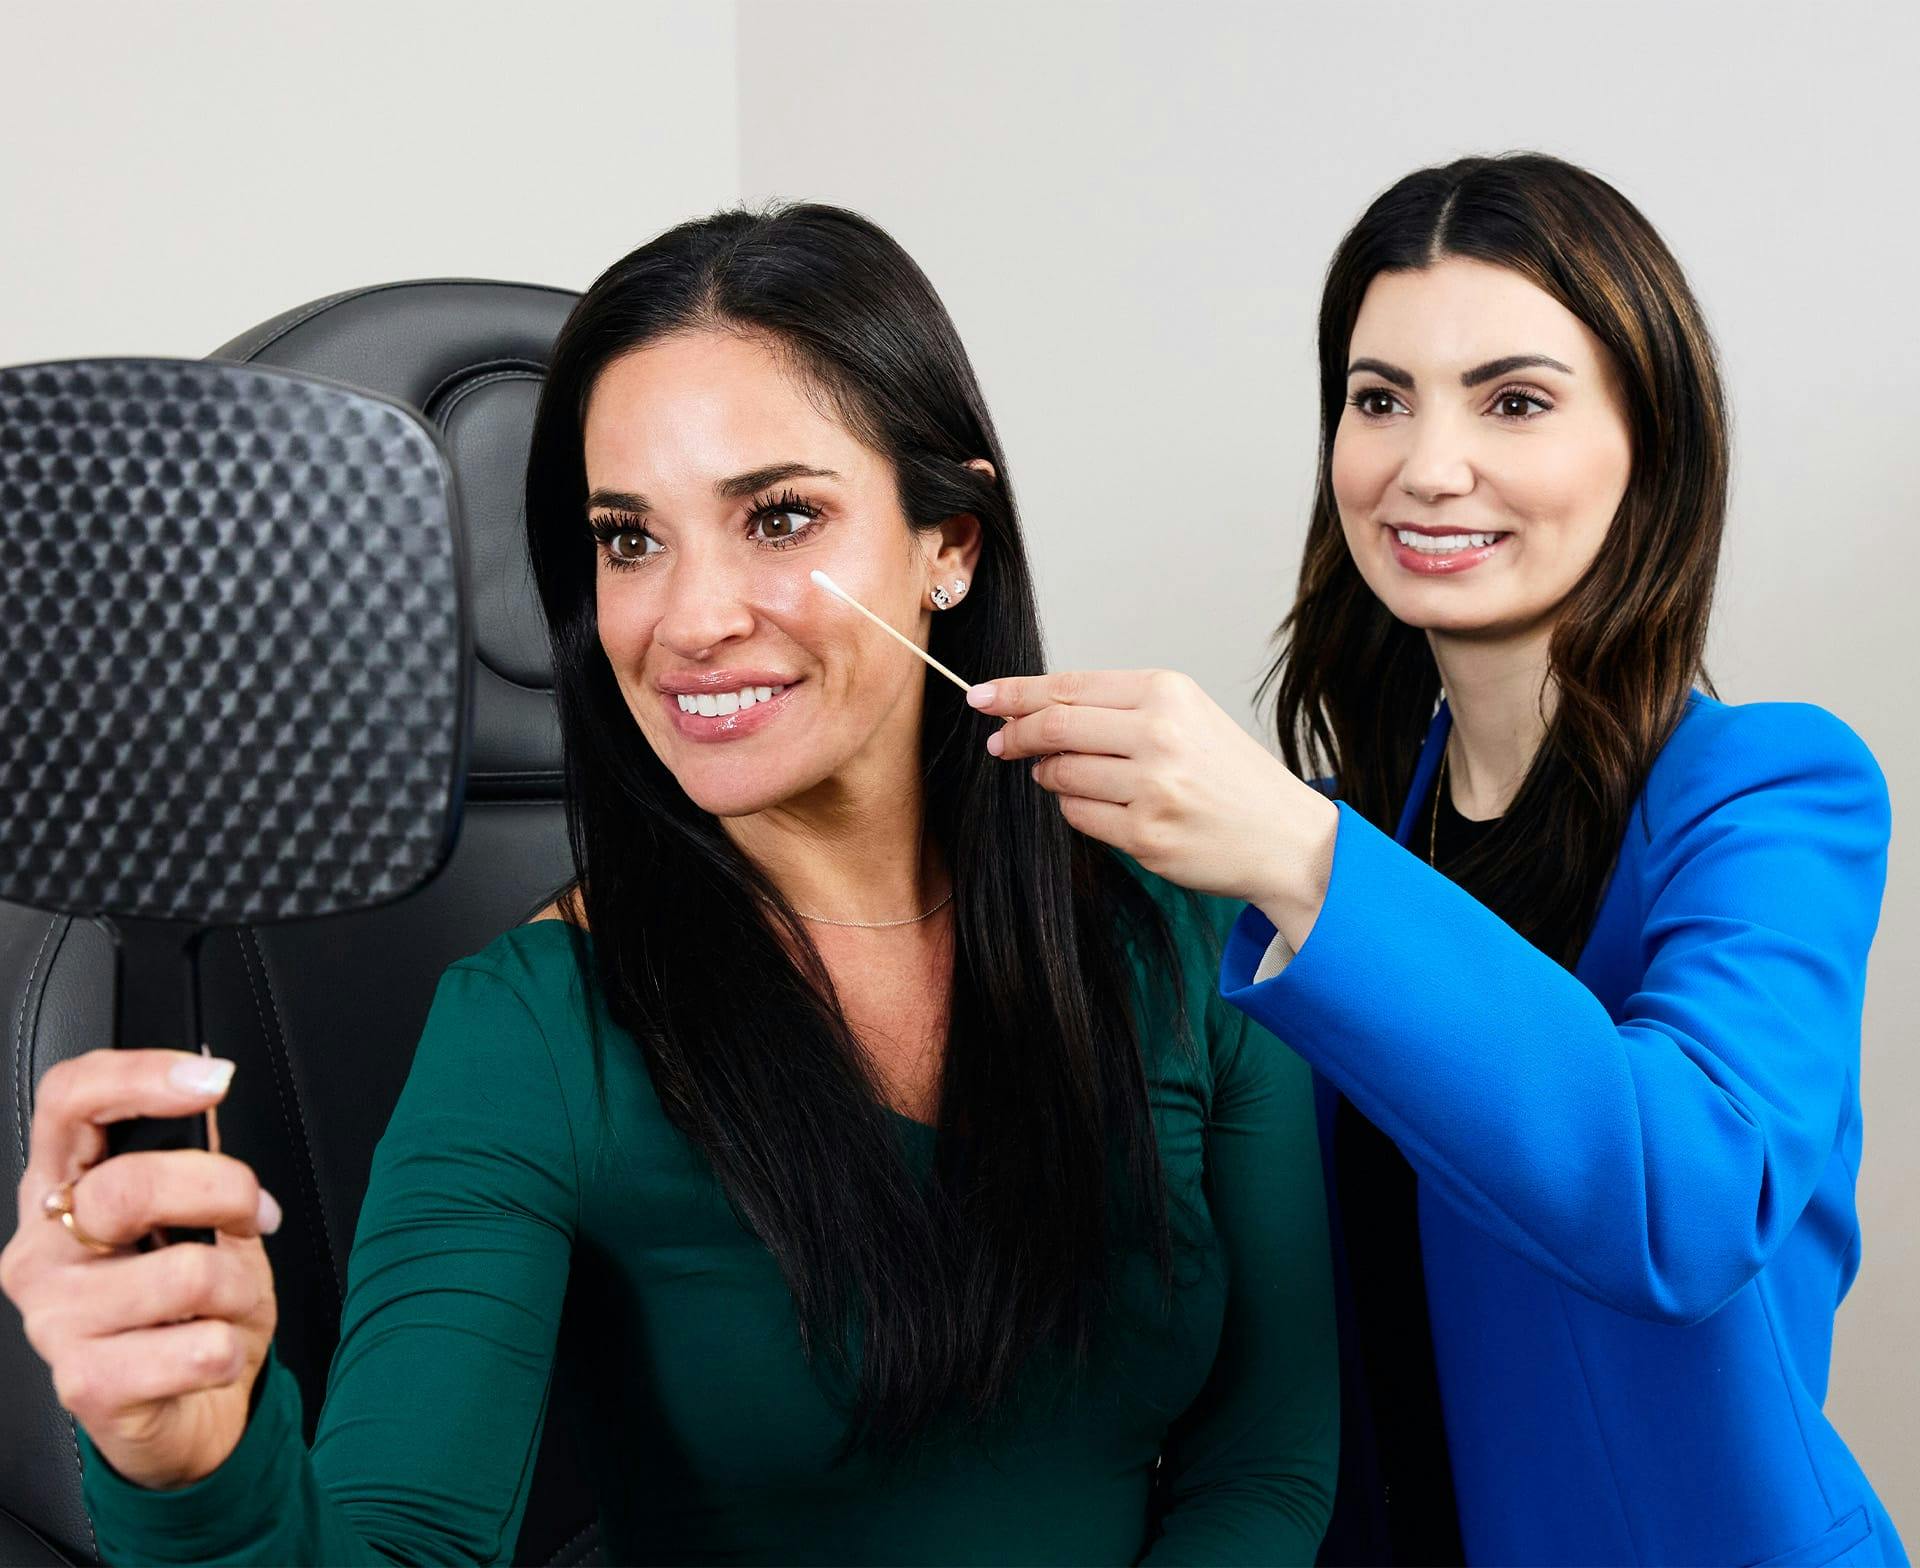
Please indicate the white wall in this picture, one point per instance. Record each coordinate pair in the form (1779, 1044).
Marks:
(175, 172)
(1129, 208)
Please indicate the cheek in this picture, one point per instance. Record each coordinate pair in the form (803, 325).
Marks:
(625, 623)
(1361, 464)
(1573, 488)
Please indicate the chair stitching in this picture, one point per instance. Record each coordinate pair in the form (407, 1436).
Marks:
(517, 370)
(297, 1120)
(23, 1072)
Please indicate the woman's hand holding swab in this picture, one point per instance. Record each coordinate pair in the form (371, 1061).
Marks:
(1146, 761)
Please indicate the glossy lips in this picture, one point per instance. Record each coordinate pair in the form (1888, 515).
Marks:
(1431, 563)
(726, 704)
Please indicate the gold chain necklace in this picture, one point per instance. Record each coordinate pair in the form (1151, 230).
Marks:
(1433, 832)
(879, 925)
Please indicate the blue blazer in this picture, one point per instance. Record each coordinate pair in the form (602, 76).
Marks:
(1635, 1180)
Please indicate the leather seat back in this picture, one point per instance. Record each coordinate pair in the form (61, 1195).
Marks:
(323, 1016)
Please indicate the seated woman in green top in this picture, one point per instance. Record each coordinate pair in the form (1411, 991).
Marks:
(867, 1156)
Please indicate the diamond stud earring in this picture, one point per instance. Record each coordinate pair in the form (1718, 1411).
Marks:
(959, 586)
(942, 600)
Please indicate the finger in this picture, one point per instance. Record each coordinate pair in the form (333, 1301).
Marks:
(1108, 732)
(104, 1377)
(1090, 778)
(123, 1198)
(1099, 819)
(1010, 696)
(167, 1285)
(77, 1097)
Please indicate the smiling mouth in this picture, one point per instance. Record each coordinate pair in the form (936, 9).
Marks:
(1444, 544)
(718, 704)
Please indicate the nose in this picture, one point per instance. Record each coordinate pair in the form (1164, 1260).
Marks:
(1438, 461)
(706, 606)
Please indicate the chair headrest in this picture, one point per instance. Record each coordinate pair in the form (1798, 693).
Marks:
(470, 355)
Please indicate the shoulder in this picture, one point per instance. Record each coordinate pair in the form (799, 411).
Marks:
(526, 980)
(1787, 757)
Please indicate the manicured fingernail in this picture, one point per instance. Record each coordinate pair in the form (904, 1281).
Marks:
(201, 1074)
(981, 696)
(266, 1214)
(996, 743)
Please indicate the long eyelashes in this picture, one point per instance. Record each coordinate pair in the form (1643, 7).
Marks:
(606, 527)
(1366, 401)
(788, 505)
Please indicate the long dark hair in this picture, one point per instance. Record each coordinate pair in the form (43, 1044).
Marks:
(935, 1298)
(1355, 687)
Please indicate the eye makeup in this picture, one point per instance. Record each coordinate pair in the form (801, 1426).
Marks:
(1364, 401)
(607, 526)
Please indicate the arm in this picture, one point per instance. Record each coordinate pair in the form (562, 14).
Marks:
(437, 1393)
(1653, 1162)
(1248, 1470)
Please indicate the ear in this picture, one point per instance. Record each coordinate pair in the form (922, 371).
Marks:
(954, 550)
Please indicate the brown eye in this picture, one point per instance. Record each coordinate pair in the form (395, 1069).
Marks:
(1516, 404)
(622, 544)
(1374, 402)
(781, 525)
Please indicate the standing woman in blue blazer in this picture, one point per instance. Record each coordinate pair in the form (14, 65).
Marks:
(1576, 950)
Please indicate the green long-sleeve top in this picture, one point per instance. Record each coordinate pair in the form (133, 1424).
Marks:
(1203, 1431)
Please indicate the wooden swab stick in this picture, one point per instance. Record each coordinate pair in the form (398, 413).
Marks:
(832, 587)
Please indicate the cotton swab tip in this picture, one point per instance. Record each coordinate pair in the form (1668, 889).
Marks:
(831, 586)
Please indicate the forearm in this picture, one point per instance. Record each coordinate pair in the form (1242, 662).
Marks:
(1652, 1163)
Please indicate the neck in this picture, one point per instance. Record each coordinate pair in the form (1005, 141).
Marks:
(849, 849)
(1501, 701)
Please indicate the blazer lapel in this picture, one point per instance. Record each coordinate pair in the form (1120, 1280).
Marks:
(1431, 750)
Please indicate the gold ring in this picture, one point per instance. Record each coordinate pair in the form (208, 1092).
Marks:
(58, 1205)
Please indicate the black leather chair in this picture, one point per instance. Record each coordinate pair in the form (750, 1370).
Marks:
(323, 1016)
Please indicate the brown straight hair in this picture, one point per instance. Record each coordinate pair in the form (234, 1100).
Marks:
(1355, 688)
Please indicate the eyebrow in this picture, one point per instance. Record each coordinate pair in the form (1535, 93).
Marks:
(1468, 378)
(732, 489)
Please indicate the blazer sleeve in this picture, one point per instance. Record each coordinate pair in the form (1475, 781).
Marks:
(438, 1391)
(1654, 1159)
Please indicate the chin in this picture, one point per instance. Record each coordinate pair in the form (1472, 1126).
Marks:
(1493, 621)
(740, 789)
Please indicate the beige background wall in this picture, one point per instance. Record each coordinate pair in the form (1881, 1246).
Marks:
(1128, 208)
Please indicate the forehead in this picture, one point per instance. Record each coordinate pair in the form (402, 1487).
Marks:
(706, 405)
(1458, 313)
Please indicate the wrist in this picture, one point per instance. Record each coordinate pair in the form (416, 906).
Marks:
(1292, 899)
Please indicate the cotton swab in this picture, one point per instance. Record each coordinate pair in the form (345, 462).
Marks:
(832, 587)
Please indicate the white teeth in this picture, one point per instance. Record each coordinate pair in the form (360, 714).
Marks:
(718, 704)
(1443, 544)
